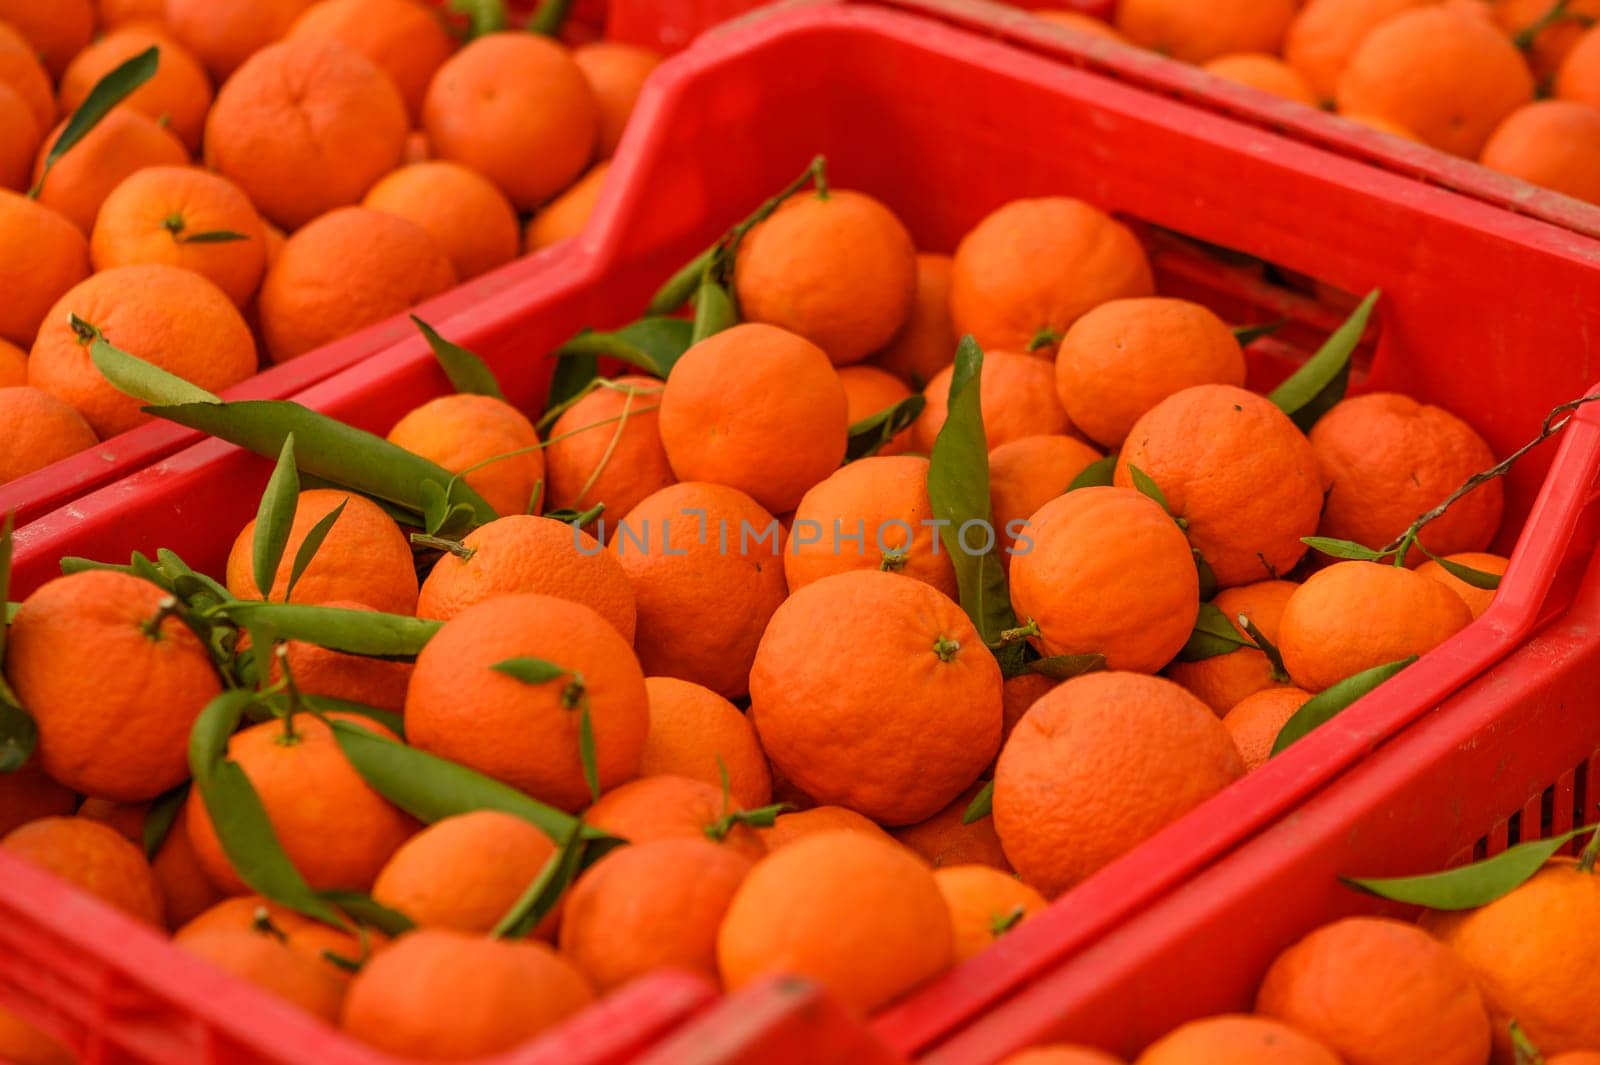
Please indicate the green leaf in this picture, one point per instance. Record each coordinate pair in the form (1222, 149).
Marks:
(1468, 575)
(958, 489)
(71, 564)
(546, 889)
(483, 16)
(760, 817)
(107, 93)
(586, 751)
(364, 909)
(1346, 549)
(529, 670)
(431, 788)
(11, 615)
(713, 310)
(1213, 635)
(1246, 334)
(676, 292)
(652, 344)
(1329, 703)
(1097, 474)
(549, 17)
(1208, 576)
(159, 818)
(237, 815)
(466, 369)
(1147, 486)
(263, 641)
(1065, 667)
(872, 433)
(981, 806)
(1314, 388)
(327, 704)
(274, 517)
(573, 375)
(1474, 885)
(18, 733)
(357, 632)
(144, 380)
(327, 448)
(310, 546)
(212, 236)
(189, 585)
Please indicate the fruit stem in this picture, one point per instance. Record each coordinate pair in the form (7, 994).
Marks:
(1001, 923)
(946, 648)
(819, 176)
(1558, 12)
(1591, 853)
(893, 561)
(455, 547)
(262, 922)
(1526, 1052)
(173, 224)
(549, 17)
(86, 332)
(1009, 636)
(1043, 339)
(151, 626)
(1280, 673)
(289, 737)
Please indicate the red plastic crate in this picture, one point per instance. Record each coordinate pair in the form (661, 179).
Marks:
(1485, 312)
(1513, 756)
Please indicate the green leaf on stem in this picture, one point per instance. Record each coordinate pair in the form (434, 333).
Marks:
(466, 369)
(546, 889)
(366, 910)
(1148, 487)
(1247, 334)
(1065, 667)
(1098, 474)
(1329, 703)
(683, 284)
(652, 344)
(530, 670)
(107, 93)
(1213, 635)
(713, 310)
(981, 806)
(1468, 575)
(483, 16)
(1314, 388)
(586, 751)
(872, 433)
(1474, 885)
(1345, 549)
(356, 632)
(310, 546)
(273, 518)
(158, 820)
(549, 17)
(1207, 575)
(145, 380)
(212, 236)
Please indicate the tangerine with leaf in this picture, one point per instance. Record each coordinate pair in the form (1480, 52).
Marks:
(488, 442)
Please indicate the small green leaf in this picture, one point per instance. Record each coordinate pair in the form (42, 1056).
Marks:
(357, 632)
(466, 369)
(1468, 575)
(1280, 672)
(546, 889)
(1147, 486)
(958, 490)
(586, 751)
(1213, 635)
(1474, 885)
(327, 704)
(1207, 575)
(145, 380)
(71, 564)
(159, 818)
(652, 344)
(263, 641)
(1329, 703)
(1065, 667)
(107, 93)
(713, 310)
(574, 373)
(238, 817)
(1247, 334)
(189, 585)
(1097, 474)
(1345, 549)
(431, 788)
(212, 236)
(366, 910)
(1001, 923)
(549, 17)
(11, 615)
(1314, 388)
(529, 670)
(310, 546)
(18, 733)
(683, 284)
(760, 817)
(981, 806)
(872, 433)
(483, 16)
(274, 517)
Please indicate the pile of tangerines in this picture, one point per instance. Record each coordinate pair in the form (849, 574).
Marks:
(1513, 84)
(852, 642)
(358, 157)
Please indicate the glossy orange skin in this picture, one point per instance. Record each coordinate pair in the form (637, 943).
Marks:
(226, 33)
(113, 705)
(1221, 682)
(379, 682)
(42, 255)
(464, 872)
(923, 718)
(365, 558)
(1100, 764)
(1379, 992)
(43, 430)
(696, 733)
(979, 896)
(274, 967)
(1107, 572)
(462, 211)
(1555, 42)
(1025, 474)
(93, 858)
(484, 434)
(179, 92)
(1196, 34)
(165, 315)
(19, 140)
(1443, 72)
(1236, 1040)
(567, 214)
(123, 143)
(799, 824)
(403, 38)
(671, 807)
(1016, 399)
(926, 342)
(524, 734)
(839, 270)
(305, 126)
(616, 73)
(350, 268)
(885, 500)
(695, 550)
(334, 827)
(1041, 264)
(606, 448)
(651, 906)
(1237, 471)
(1387, 459)
(13, 365)
(517, 109)
(56, 31)
(869, 390)
(864, 918)
(444, 995)
(1354, 616)
(1126, 356)
(1020, 693)
(1477, 599)
(1267, 73)
(186, 890)
(943, 840)
(1326, 33)
(756, 408)
(1553, 143)
(21, 70)
(1579, 77)
(310, 937)
(135, 225)
(1255, 721)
